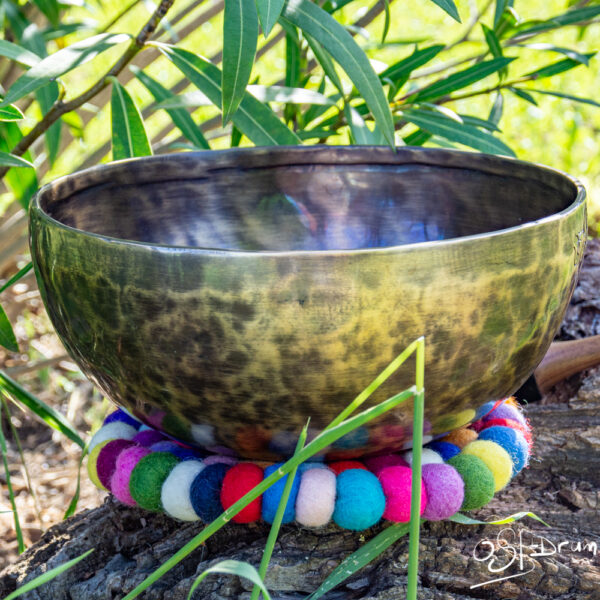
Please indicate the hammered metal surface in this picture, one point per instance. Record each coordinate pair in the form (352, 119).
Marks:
(324, 264)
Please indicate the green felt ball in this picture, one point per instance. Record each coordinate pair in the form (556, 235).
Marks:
(479, 480)
(147, 478)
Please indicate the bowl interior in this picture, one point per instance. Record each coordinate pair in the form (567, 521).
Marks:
(308, 206)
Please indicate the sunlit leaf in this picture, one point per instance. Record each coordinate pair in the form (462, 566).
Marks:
(558, 67)
(562, 95)
(417, 138)
(464, 520)
(10, 113)
(449, 7)
(498, 11)
(180, 117)
(468, 135)
(570, 17)
(477, 122)
(279, 93)
(47, 576)
(399, 72)
(50, 416)
(568, 52)
(361, 134)
(253, 118)
(240, 33)
(61, 62)
(520, 93)
(462, 79)
(10, 160)
(18, 54)
(22, 182)
(339, 43)
(386, 22)
(7, 335)
(129, 136)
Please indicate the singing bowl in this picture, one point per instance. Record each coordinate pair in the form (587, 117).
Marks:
(226, 296)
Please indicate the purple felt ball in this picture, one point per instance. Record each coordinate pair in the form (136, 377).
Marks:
(506, 411)
(214, 459)
(445, 491)
(148, 437)
(107, 459)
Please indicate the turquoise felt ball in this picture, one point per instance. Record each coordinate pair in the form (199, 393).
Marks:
(360, 501)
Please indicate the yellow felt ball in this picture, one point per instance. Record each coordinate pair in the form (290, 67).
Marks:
(91, 464)
(495, 457)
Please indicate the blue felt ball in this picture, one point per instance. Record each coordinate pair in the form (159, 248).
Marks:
(484, 409)
(512, 440)
(272, 497)
(360, 501)
(205, 491)
(445, 449)
(120, 415)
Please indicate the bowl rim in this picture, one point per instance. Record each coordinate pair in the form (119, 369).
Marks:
(339, 155)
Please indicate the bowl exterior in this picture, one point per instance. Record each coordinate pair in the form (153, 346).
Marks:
(237, 350)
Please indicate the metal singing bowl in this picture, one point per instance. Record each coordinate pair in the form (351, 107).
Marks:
(226, 296)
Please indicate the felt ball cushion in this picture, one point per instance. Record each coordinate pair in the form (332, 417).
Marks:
(396, 483)
(507, 411)
(445, 491)
(495, 457)
(509, 423)
(376, 463)
(148, 477)
(428, 456)
(511, 440)
(126, 461)
(123, 417)
(147, 437)
(175, 492)
(272, 497)
(107, 459)
(113, 431)
(315, 501)
(205, 491)
(92, 462)
(339, 466)
(461, 437)
(360, 501)
(238, 481)
(478, 480)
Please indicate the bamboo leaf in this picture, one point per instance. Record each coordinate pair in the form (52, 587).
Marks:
(462, 79)
(46, 97)
(51, 417)
(568, 52)
(558, 67)
(240, 33)
(468, 135)
(313, 20)
(7, 335)
(18, 54)
(61, 62)
(497, 109)
(22, 182)
(232, 567)
(523, 95)
(50, 8)
(400, 71)
(361, 134)
(129, 136)
(324, 59)
(449, 7)
(477, 122)
(18, 275)
(253, 118)
(269, 12)
(10, 113)
(565, 96)
(492, 41)
(10, 160)
(47, 576)
(570, 17)
(499, 11)
(180, 117)
(387, 21)
(363, 556)
(279, 93)
(417, 138)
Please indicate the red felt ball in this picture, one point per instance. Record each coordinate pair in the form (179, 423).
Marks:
(238, 481)
(513, 425)
(343, 465)
(107, 460)
(396, 483)
(376, 463)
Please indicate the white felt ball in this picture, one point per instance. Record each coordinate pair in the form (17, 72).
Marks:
(315, 501)
(203, 434)
(428, 457)
(117, 430)
(175, 491)
(426, 439)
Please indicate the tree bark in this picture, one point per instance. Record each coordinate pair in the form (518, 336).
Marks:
(560, 486)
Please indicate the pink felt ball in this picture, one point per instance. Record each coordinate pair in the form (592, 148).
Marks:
(126, 461)
(107, 459)
(148, 437)
(445, 491)
(376, 463)
(396, 483)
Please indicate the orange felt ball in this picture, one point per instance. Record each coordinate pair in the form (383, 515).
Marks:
(238, 481)
(343, 465)
(461, 437)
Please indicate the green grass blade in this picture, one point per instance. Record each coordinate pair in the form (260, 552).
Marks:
(439, 124)
(232, 567)
(51, 417)
(320, 25)
(276, 525)
(253, 118)
(10, 160)
(180, 117)
(464, 520)
(321, 441)
(48, 576)
(61, 62)
(11, 494)
(129, 138)
(240, 34)
(10, 113)
(7, 335)
(363, 556)
(448, 7)
(18, 275)
(269, 12)
(462, 79)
